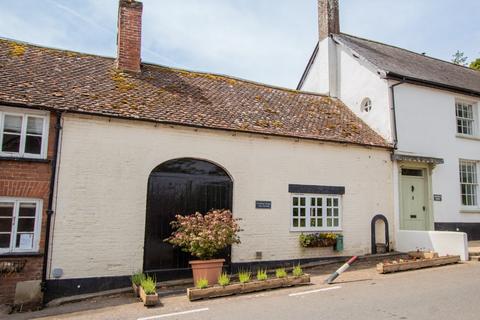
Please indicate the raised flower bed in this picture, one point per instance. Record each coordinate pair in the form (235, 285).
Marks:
(416, 260)
(248, 287)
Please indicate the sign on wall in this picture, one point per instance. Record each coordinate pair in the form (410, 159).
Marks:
(437, 197)
(261, 204)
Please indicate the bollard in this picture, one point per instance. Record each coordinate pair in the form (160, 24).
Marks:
(340, 270)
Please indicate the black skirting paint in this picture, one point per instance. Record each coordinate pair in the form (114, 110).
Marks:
(471, 229)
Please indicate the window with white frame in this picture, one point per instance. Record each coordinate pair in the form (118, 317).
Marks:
(469, 183)
(465, 118)
(23, 134)
(19, 225)
(316, 212)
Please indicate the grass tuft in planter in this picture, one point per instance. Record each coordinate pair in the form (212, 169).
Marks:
(148, 291)
(224, 279)
(280, 273)
(202, 283)
(244, 276)
(297, 271)
(262, 275)
(136, 282)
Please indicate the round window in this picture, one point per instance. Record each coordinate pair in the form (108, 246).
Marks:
(366, 105)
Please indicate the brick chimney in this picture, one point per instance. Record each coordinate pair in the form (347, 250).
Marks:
(328, 18)
(129, 35)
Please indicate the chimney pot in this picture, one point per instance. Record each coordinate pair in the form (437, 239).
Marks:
(129, 36)
(328, 18)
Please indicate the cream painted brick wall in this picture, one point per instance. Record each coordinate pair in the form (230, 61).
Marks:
(100, 214)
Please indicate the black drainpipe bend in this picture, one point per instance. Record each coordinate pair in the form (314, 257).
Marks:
(394, 113)
(58, 128)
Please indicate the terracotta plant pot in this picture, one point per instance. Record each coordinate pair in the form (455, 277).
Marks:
(207, 269)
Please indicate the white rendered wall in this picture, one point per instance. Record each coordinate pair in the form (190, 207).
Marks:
(104, 167)
(442, 242)
(317, 79)
(426, 125)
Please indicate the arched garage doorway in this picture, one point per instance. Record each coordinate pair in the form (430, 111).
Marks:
(180, 186)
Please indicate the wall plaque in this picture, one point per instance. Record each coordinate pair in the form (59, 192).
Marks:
(260, 204)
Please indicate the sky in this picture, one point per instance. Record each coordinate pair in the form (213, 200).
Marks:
(268, 41)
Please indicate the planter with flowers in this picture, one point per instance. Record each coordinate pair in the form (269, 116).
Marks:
(326, 239)
(203, 236)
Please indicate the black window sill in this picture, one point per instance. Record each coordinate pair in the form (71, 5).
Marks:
(20, 255)
(3, 158)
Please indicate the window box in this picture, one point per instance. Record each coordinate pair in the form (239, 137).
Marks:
(318, 240)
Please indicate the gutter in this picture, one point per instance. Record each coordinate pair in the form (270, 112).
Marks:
(58, 128)
(394, 113)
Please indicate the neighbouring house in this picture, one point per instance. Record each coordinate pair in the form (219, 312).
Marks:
(140, 143)
(28, 137)
(427, 108)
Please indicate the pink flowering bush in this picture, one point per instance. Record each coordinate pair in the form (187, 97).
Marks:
(204, 235)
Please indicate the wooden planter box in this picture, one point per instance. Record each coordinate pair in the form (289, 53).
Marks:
(416, 264)
(148, 299)
(239, 288)
(322, 243)
(136, 290)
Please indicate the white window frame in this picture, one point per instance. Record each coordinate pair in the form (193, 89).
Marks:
(37, 225)
(308, 206)
(474, 119)
(25, 115)
(476, 183)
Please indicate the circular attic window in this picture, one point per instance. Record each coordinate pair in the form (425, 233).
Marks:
(366, 105)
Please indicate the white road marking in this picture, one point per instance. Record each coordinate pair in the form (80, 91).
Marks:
(313, 291)
(173, 314)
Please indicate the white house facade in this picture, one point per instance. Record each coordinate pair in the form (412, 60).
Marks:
(427, 108)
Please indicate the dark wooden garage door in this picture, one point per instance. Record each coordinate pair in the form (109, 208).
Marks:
(181, 186)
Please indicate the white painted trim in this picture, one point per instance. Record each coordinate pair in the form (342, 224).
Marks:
(466, 136)
(37, 226)
(25, 114)
(324, 213)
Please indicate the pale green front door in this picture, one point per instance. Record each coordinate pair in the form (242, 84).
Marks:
(414, 200)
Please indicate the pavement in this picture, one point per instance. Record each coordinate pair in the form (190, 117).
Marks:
(449, 292)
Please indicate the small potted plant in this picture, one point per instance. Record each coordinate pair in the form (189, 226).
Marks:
(327, 239)
(148, 291)
(137, 278)
(203, 236)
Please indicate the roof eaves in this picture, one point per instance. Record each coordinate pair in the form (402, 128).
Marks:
(431, 84)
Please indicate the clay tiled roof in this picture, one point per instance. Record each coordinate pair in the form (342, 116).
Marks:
(75, 82)
(399, 62)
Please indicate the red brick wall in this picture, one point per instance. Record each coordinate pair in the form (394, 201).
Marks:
(20, 178)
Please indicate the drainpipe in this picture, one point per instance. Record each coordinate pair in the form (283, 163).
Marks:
(394, 113)
(58, 128)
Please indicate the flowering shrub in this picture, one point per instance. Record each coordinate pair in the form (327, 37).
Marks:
(205, 235)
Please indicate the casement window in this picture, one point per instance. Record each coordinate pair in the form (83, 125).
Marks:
(469, 183)
(23, 135)
(19, 225)
(466, 118)
(316, 212)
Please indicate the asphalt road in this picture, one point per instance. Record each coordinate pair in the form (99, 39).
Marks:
(451, 292)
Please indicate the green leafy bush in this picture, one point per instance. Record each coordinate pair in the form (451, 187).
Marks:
(244, 276)
(262, 275)
(280, 273)
(325, 239)
(224, 279)
(202, 283)
(297, 271)
(149, 285)
(204, 235)
(137, 278)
